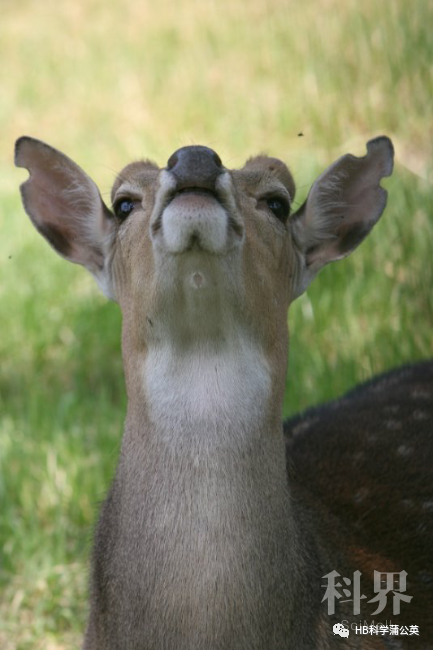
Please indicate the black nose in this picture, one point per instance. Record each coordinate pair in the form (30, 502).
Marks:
(195, 166)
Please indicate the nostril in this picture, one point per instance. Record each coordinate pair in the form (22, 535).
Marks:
(173, 160)
(217, 159)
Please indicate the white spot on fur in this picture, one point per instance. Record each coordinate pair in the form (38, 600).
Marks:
(420, 415)
(359, 496)
(304, 425)
(393, 425)
(394, 408)
(403, 450)
(421, 393)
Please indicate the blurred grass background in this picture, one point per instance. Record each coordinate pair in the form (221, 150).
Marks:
(109, 82)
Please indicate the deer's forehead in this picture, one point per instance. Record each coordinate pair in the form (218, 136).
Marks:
(262, 172)
(140, 174)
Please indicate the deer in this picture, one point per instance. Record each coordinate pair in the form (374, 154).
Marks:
(220, 525)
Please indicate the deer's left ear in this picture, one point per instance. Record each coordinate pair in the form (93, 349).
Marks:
(342, 207)
(66, 208)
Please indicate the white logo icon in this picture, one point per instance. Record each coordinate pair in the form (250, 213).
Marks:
(340, 629)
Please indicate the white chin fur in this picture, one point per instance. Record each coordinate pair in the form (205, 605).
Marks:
(194, 218)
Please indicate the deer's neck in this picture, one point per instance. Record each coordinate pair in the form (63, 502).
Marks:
(203, 471)
(203, 415)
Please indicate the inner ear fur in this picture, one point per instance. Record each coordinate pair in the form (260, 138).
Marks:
(343, 205)
(64, 204)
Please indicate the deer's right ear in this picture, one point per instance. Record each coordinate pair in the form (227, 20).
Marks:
(66, 208)
(342, 207)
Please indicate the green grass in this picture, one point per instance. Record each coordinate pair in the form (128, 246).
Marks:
(107, 82)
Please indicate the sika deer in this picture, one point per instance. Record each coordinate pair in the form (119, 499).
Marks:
(202, 543)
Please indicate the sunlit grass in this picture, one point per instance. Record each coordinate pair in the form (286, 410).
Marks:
(107, 82)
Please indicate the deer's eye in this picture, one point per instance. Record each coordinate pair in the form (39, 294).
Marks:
(123, 208)
(279, 206)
